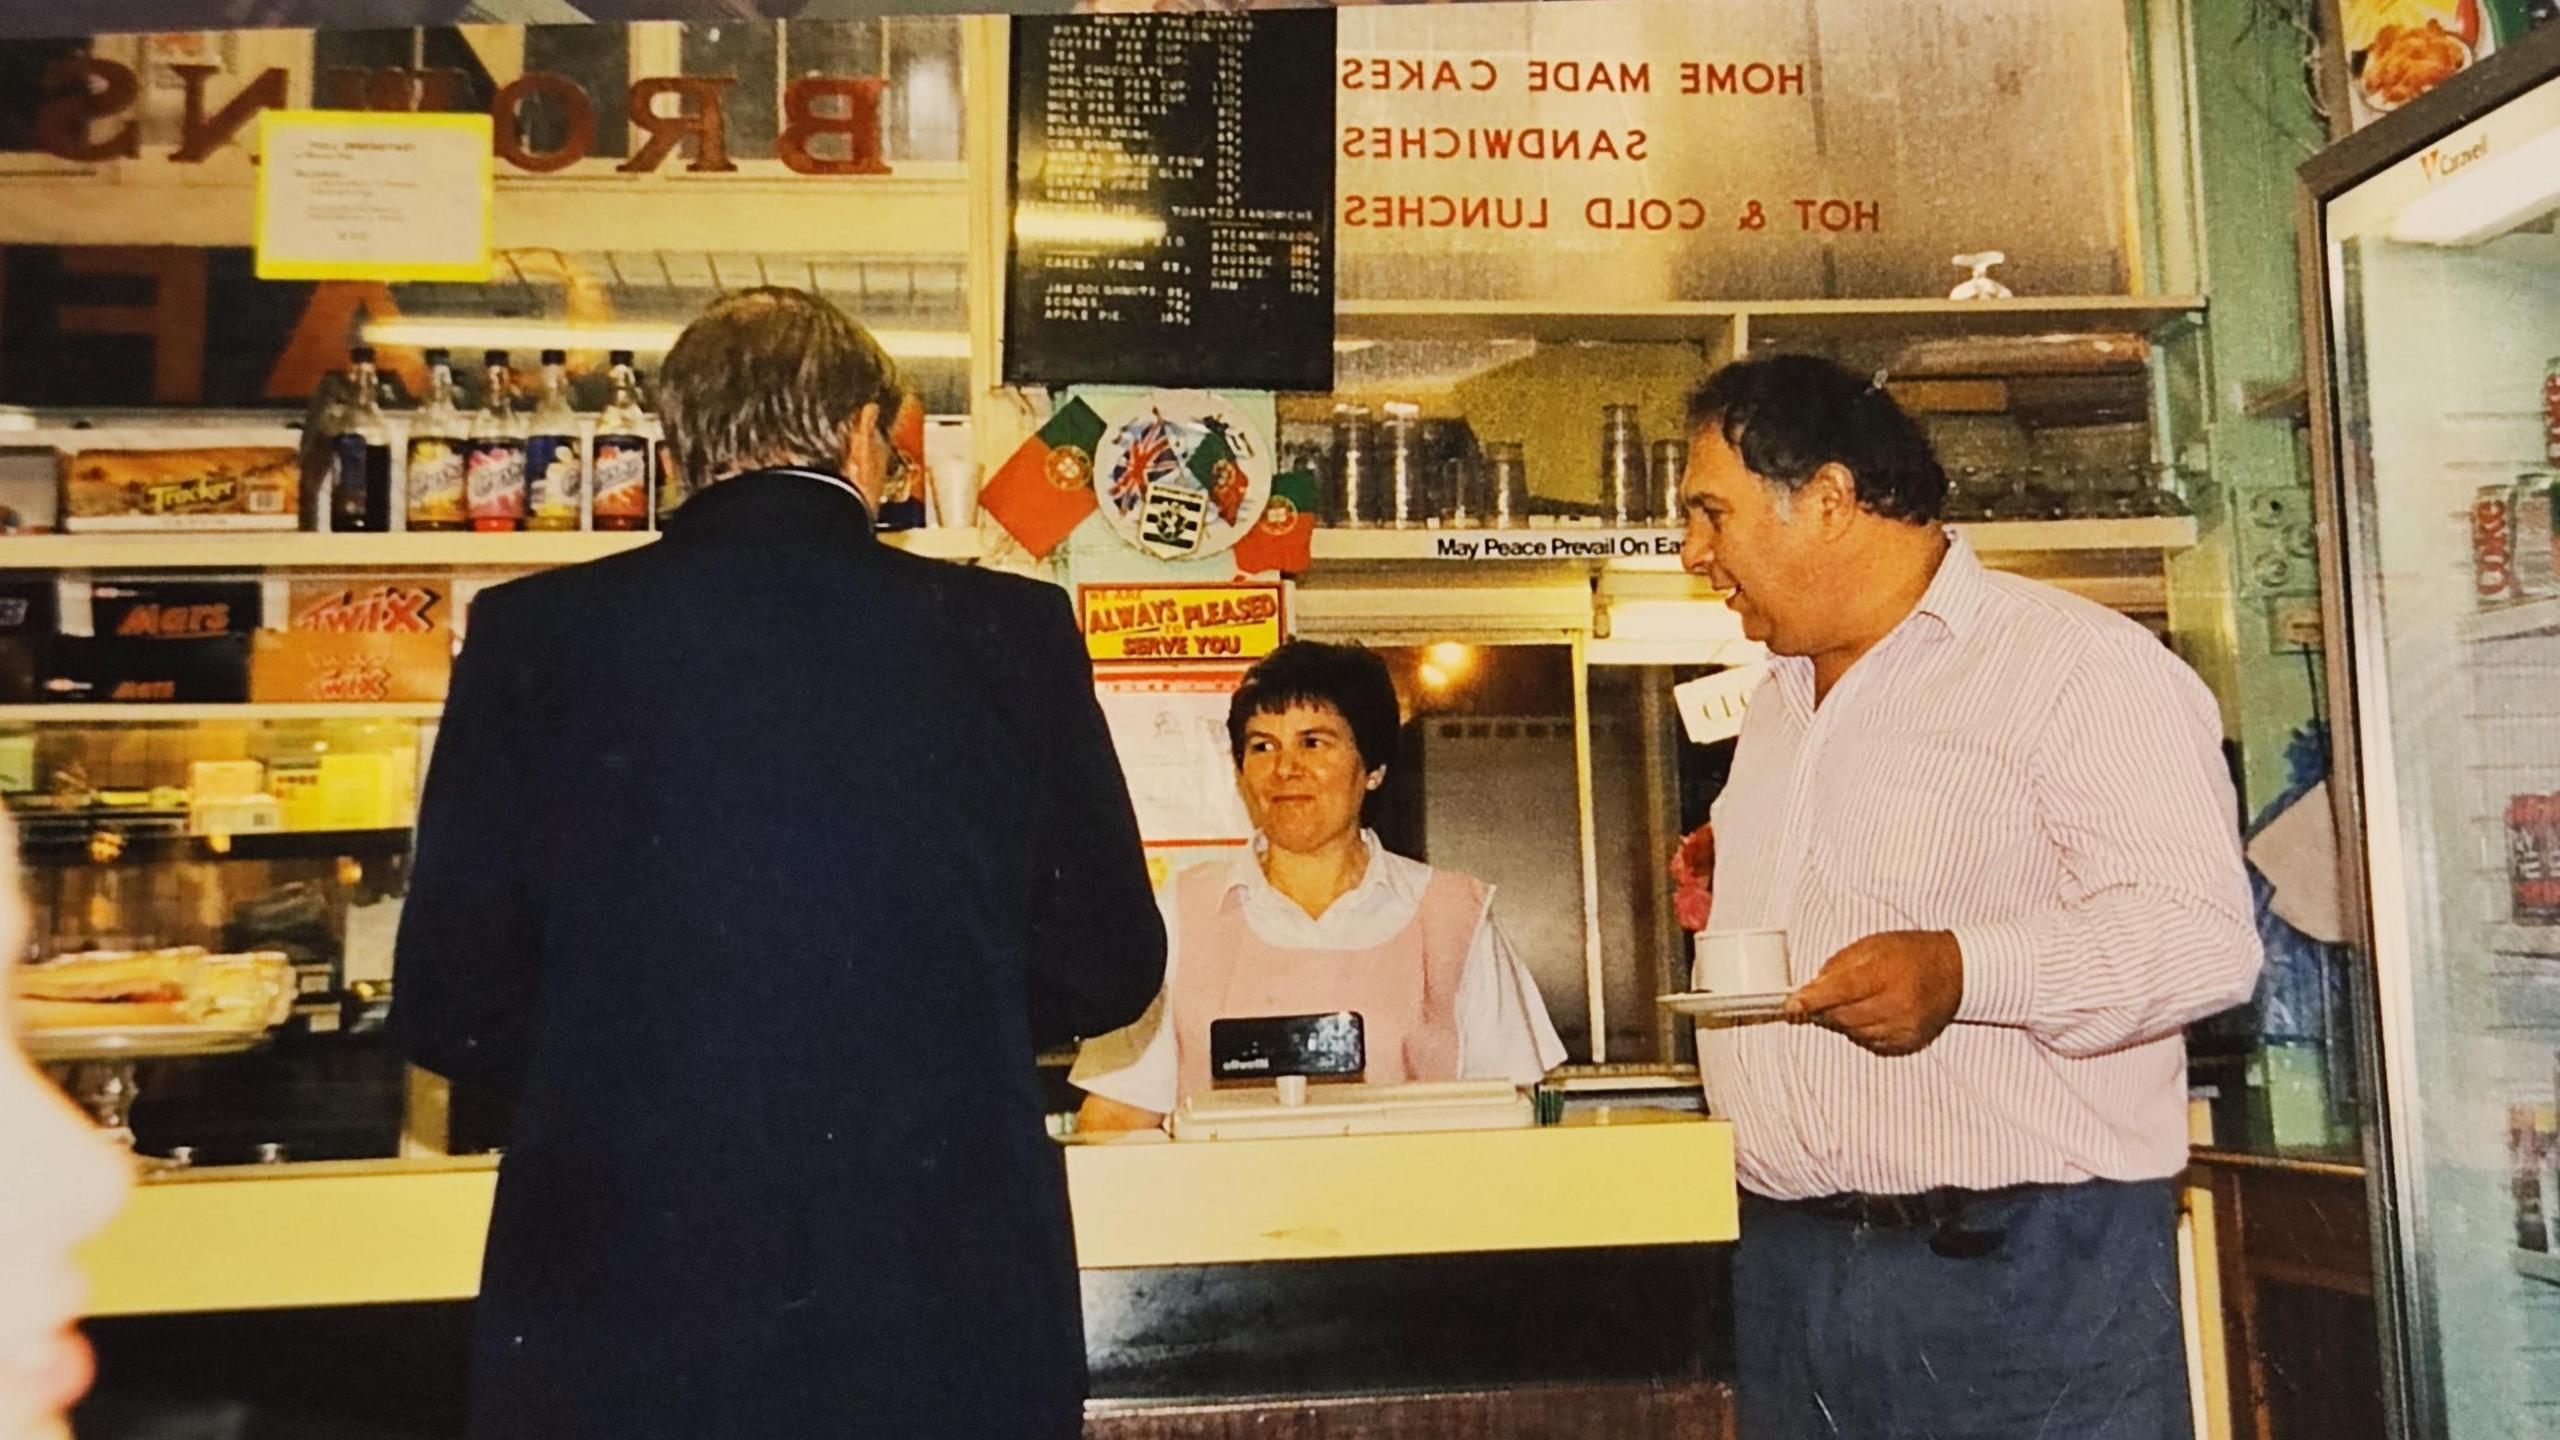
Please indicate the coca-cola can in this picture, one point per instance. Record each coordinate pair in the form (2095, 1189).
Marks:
(2545, 909)
(2537, 547)
(2551, 411)
(2493, 544)
(2527, 867)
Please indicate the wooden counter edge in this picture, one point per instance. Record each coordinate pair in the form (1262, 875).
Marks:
(397, 1231)
(2209, 1157)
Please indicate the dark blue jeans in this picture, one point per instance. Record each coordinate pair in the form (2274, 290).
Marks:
(2066, 1329)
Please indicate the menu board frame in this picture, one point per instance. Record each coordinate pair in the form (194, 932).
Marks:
(1273, 331)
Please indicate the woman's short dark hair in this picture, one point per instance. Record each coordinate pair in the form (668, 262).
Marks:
(1350, 678)
(1787, 416)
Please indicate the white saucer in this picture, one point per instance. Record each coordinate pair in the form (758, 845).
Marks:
(1727, 1004)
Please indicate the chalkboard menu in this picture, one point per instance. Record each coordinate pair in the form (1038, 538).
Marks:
(1172, 201)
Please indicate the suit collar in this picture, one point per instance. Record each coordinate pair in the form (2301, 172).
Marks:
(781, 503)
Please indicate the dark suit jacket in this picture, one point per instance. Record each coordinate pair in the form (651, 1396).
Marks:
(757, 863)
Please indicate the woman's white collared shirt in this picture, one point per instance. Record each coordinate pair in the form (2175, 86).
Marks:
(1503, 1029)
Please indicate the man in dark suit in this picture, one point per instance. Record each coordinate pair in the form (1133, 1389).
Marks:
(756, 864)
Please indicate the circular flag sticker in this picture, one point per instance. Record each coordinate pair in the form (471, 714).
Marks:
(1182, 475)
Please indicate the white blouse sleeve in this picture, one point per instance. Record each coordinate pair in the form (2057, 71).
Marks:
(1503, 1029)
(1135, 1064)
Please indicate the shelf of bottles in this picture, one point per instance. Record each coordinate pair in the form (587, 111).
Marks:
(290, 550)
(502, 467)
(506, 482)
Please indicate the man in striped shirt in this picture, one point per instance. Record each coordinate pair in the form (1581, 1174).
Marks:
(1994, 821)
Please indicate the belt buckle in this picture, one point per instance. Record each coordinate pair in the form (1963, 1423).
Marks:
(1950, 1238)
(1939, 1213)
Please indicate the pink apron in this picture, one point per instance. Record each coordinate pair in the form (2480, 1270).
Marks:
(1406, 989)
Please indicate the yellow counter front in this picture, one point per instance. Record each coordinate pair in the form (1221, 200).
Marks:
(363, 1232)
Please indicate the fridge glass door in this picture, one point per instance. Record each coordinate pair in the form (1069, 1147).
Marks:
(2443, 279)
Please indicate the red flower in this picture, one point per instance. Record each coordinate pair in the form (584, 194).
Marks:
(1693, 871)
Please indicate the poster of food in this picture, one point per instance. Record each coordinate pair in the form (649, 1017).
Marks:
(2393, 51)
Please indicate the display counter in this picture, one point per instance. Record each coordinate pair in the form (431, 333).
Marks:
(2294, 1266)
(367, 1232)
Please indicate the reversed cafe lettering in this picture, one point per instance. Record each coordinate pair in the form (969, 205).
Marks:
(828, 125)
(1380, 72)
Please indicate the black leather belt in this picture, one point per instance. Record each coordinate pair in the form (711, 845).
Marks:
(1955, 1219)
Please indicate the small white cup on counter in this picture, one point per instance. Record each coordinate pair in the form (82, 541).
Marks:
(954, 471)
(1740, 962)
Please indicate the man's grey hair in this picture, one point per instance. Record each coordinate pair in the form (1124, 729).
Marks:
(765, 377)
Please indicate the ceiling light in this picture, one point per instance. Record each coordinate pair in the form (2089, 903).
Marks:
(1450, 658)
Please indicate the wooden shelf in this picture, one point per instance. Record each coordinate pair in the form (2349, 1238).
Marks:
(1787, 322)
(526, 550)
(1585, 544)
(1777, 321)
(2537, 1264)
(42, 832)
(144, 435)
(2513, 622)
(1669, 323)
(117, 714)
(2538, 940)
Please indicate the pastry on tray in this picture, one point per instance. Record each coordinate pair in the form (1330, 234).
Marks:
(127, 988)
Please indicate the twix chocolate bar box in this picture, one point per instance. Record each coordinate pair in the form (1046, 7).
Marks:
(357, 640)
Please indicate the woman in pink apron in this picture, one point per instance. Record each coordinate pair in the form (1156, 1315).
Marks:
(1317, 916)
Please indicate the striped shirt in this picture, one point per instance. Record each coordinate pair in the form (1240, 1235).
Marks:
(2039, 776)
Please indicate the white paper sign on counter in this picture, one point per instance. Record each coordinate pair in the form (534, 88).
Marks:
(1711, 706)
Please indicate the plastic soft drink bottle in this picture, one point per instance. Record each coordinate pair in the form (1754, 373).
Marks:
(623, 452)
(554, 459)
(496, 478)
(439, 446)
(360, 454)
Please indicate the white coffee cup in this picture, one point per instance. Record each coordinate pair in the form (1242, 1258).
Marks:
(954, 470)
(955, 494)
(1740, 962)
